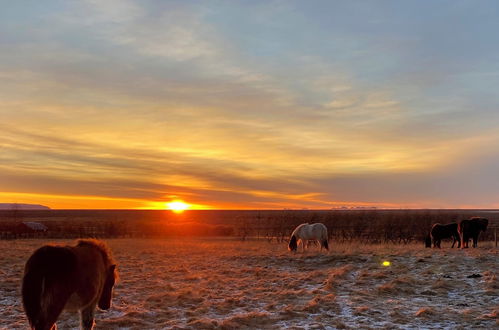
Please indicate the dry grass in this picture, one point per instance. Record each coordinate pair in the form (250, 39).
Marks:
(225, 284)
(425, 312)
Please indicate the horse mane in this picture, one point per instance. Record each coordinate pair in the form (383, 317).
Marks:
(100, 246)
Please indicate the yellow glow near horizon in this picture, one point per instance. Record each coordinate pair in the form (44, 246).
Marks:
(386, 263)
(177, 206)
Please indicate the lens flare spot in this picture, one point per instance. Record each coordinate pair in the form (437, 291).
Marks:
(386, 263)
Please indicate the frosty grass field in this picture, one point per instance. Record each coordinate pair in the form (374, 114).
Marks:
(216, 283)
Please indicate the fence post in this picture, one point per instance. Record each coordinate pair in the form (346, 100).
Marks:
(495, 235)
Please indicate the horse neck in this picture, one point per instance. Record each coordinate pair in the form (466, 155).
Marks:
(105, 257)
(298, 232)
(97, 249)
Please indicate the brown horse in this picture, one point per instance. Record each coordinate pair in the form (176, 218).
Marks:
(439, 232)
(76, 278)
(470, 228)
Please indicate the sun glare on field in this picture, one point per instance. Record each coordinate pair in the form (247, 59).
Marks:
(177, 206)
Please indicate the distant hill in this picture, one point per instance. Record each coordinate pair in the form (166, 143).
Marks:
(17, 206)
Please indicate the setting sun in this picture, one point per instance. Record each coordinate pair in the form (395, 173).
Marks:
(177, 206)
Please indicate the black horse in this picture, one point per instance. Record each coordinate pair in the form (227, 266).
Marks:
(439, 232)
(470, 228)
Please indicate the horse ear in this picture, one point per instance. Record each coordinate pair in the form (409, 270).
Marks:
(112, 268)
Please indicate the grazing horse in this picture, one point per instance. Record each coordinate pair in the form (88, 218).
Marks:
(306, 232)
(76, 278)
(470, 228)
(439, 231)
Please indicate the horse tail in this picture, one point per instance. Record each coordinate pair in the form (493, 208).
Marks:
(32, 288)
(325, 244)
(46, 285)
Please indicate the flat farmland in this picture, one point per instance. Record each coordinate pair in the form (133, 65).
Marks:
(216, 283)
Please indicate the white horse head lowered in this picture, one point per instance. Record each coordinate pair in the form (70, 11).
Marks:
(306, 232)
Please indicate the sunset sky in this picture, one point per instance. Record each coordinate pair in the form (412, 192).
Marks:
(250, 104)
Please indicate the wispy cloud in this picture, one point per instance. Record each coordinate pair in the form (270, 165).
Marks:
(299, 106)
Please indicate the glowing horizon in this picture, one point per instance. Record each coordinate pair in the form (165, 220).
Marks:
(130, 105)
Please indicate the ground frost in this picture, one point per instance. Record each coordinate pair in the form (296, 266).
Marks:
(223, 284)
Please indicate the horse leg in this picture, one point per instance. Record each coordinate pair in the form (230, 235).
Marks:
(475, 241)
(325, 244)
(52, 303)
(458, 240)
(87, 317)
(51, 318)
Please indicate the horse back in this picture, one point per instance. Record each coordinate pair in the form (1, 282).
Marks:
(442, 231)
(314, 231)
(473, 225)
(320, 228)
(54, 263)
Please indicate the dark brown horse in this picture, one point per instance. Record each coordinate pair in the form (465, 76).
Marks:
(439, 232)
(470, 228)
(77, 278)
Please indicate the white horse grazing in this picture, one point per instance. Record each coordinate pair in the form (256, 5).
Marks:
(306, 232)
